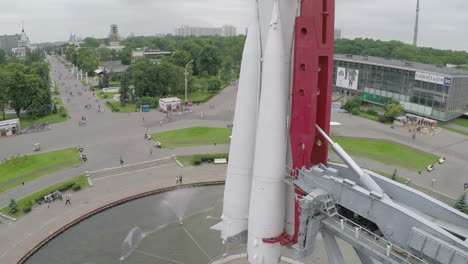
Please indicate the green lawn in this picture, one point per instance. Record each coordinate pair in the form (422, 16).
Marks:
(25, 121)
(114, 84)
(57, 101)
(128, 108)
(387, 152)
(30, 200)
(202, 158)
(461, 122)
(106, 95)
(454, 130)
(200, 97)
(27, 168)
(371, 117)
(194, 136)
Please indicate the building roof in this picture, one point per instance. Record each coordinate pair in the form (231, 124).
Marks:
(400, 64)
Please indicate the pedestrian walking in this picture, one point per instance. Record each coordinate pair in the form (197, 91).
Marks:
(151, 151)
(23, 184)
(161, 123)
(433, 182)
(180, 179)
(67, 199)
(465, 186)
(177, 179)
(121, 161)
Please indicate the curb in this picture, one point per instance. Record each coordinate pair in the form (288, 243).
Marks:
(8, 217)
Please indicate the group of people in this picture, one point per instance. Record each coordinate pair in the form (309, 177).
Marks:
(178, 179)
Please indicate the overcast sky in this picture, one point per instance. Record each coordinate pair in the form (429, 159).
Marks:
(443, 23)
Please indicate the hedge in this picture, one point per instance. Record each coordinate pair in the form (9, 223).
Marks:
(207, 158)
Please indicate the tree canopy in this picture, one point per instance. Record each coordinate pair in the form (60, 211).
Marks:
(399, 50)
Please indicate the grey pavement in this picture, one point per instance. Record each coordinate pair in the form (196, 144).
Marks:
(450, 176)
(109, 136)
(17, 238)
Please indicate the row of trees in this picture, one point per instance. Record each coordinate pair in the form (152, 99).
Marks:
(392, 109)
(399, 50)
(212, 56)
(25, 85)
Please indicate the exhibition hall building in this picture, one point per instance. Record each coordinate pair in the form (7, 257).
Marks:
(432, 91)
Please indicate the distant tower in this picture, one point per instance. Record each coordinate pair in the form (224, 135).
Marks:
(416, 25)
(114, 37)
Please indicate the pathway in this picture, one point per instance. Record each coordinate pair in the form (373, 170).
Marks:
(21, 236)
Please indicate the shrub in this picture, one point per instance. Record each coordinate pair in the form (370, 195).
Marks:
(353, 103)
(76, 187)
(207, 158)
(355, 111)
(372, 112)
(62, 111)
(196, 161)
(66, 186)
(382, 119)
(27, 209)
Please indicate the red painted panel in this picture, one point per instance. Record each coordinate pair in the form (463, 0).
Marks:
(312, 85)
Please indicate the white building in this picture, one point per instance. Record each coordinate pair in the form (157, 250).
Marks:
(9, 127)
(172, 104)
(226, 31)
(229, 31)
(23, 45)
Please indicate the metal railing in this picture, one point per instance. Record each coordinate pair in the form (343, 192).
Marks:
(375, 241)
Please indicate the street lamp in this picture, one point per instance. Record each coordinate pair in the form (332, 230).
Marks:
(186, 81)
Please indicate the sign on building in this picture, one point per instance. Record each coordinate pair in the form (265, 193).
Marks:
(347, 78)
(433, 78)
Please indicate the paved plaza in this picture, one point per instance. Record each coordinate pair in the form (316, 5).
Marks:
(109, 136)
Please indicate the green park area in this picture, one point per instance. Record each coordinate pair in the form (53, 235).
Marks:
(194, 136)
(103, 95)
(57, 101)
(27, 121)
(127, 108)
(20, 169)
(454, 130)
(388, 152)
(25, 204)
(461, 122)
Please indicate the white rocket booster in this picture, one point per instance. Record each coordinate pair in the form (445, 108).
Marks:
(267, 202)
(241, 153)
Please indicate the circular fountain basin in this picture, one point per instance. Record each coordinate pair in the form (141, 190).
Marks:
(170, 227)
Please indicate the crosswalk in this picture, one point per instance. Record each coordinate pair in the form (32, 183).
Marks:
(131, 168)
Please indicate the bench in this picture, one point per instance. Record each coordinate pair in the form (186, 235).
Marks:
(220, 161)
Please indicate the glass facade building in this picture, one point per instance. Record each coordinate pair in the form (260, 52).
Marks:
(436, 92)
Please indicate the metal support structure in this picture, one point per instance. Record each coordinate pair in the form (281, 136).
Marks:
(365, 259)
(332, 248)
(312, 86)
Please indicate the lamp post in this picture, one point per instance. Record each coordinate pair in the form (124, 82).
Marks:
(186, 80)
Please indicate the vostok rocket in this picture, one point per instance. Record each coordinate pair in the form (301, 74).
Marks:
(259, 208)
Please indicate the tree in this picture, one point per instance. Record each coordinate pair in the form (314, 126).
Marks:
(13, 206)
(91, 43)
(3, 59)
(226, 72)
(460, 204)
(21, 90)
(3, 92)
(180, 57)
(124, 90)
(214, 84)
(393, 109)
(126, 56)
(87, 60)
(105, 79)
(351, 104)
(210, 60)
